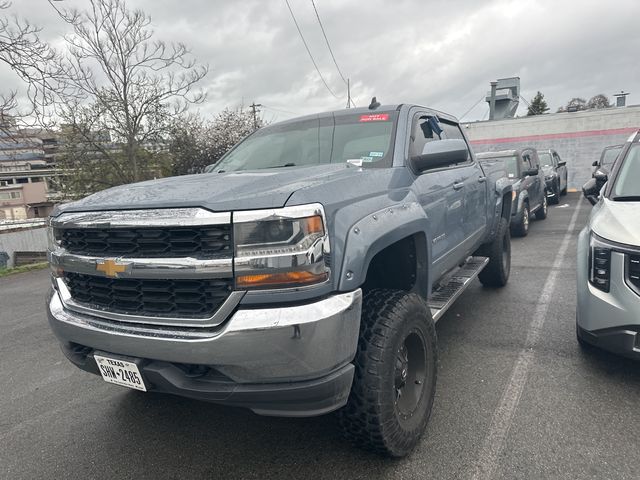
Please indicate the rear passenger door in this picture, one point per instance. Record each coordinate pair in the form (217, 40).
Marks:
(474, 211)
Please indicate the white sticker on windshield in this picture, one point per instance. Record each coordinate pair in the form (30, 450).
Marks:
(367, 159)
(376, 154)
(511, 175)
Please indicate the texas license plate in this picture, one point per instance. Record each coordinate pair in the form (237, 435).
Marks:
(120, 372)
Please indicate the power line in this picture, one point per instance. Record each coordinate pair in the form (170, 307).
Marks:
(279, 110)
(309, 51)
(474, 106)
(326, 39)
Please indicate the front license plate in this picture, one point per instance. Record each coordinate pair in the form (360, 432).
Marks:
(120, 372)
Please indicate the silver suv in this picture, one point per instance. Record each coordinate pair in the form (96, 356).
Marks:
(608, 313)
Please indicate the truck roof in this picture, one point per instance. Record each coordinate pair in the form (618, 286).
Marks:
(366, 110)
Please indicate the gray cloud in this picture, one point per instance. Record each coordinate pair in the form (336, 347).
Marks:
(434, 52)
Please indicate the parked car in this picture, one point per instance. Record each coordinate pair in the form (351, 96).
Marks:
(303, 274)
(555, 174)
(529, 194)
(607, 159)
(608, 308)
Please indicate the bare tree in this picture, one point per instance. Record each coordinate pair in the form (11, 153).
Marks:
(121, 81)
(195, 143)
(33, 61)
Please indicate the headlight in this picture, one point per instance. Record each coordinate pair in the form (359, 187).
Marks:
(53, 237)
(599, 263)
(281, 248)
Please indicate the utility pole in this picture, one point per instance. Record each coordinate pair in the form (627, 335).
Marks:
(254, 108)
(348, 93)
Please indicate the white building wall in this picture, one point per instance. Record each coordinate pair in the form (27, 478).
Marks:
(578, 137)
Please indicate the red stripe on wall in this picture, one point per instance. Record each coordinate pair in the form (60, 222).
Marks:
(554, 136)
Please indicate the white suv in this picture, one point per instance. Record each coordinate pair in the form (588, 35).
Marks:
(608, 312)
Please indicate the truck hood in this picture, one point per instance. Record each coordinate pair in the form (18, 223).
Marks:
(617, 221)
(244, 190)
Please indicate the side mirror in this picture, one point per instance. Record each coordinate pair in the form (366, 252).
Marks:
(562, 163)
(595, 164)
(601, 177)
(591, 190)
(440, 153)
(532, 172)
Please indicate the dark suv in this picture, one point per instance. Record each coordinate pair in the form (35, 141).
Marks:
(555, 174)
(529, 196)
(607, 159)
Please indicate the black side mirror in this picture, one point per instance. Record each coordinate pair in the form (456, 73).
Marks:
(440, 153)
(601, 176)
(590, 190)
(532, 172)
(562, 163)
(595, 164)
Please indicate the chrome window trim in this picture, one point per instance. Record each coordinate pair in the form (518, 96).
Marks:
(161, 217)
(214, 320)
(145, 268)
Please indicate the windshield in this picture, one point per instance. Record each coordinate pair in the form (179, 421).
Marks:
(365, 139)
(545, 159)
(510, 164)
(627, 186)
(609, 156)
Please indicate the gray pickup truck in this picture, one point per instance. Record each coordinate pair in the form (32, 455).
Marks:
(522, 168)
(302, 274)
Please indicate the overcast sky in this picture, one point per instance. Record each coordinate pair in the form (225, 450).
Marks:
(440, 53)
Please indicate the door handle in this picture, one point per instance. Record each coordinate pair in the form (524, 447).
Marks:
(482, 179)
(458, 185)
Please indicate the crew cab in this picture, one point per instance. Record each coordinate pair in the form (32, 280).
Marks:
(522, 168)
(555, 174)
(608, 307)
(301, 274)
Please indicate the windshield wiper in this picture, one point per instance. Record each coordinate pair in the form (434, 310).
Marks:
(626, 198)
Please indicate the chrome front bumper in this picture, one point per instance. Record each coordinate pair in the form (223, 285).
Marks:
(291, 343)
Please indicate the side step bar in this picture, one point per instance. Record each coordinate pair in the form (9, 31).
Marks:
(444, 296)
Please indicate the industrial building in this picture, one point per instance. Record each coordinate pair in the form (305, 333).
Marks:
(579, 137)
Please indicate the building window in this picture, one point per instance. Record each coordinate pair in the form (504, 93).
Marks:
(10, 195)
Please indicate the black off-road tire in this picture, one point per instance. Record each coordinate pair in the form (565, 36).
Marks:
(541, 213)
(373, 418)
(521, 227)
(496, 273)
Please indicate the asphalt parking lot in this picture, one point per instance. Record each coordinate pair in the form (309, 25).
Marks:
(516, 398)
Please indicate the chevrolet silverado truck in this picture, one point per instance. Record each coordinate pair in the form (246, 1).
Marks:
(301, 274)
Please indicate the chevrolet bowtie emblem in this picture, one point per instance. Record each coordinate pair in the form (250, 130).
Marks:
(110, 268)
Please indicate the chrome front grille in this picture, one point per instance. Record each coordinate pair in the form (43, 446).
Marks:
(160, 267)
(198, 298)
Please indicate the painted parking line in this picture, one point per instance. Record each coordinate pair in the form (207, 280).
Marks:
(487, 462)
